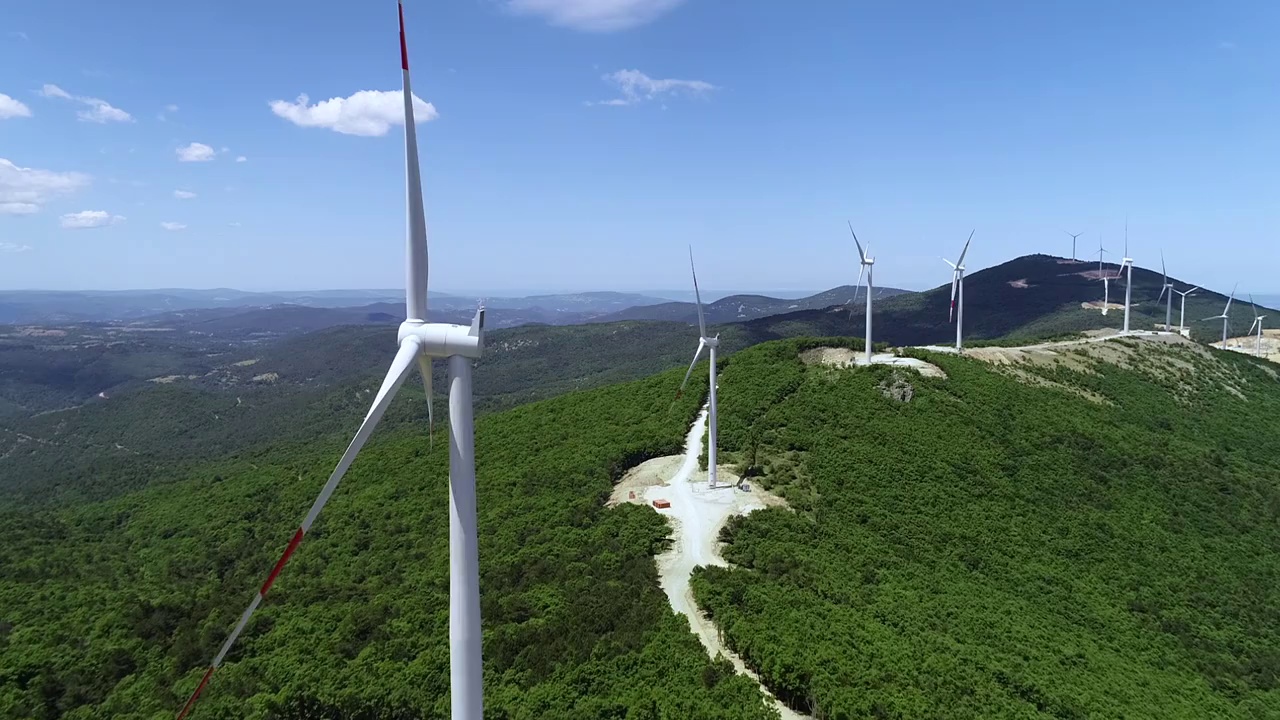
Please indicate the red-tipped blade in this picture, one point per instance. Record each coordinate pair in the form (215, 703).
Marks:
(404, 49)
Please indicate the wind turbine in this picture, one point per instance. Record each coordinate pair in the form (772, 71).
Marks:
(1073, 242)
(1127, 261)
(712, 343)
(868, 264)
(1106, 279)
(957, 292)
(1165, 288)
(419, 342)
(1257, 320)
(1225, 319)
(1182, 316)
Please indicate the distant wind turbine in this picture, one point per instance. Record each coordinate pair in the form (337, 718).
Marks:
(712, 343)
(1224, 316)
(1182, 316)
(419, 342)
(1165, 290)
(1073, 242)
(1257, 320)
(1127, 262)
(957, 292)
(1106, 279)
(868, 264)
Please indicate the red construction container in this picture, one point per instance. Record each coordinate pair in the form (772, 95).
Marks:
(661, 504)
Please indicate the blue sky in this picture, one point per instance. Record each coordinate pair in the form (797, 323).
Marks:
(582, 144)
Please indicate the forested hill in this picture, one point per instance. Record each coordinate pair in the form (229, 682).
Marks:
(1092, 534)
(1033, 296)
(111, 609)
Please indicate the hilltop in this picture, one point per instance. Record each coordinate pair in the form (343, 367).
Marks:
(1029, 297)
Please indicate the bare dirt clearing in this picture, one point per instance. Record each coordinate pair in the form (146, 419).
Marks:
(844, 357)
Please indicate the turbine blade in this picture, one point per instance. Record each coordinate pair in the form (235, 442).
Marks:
(952, 313)
(702, 323)
(1163, 290)
(400, 367)
(948, 262)
(416, 241)
(1163, 270)
(861, 255)
(858, 287)
(702, 342)
(1229, 299)
(966, 247)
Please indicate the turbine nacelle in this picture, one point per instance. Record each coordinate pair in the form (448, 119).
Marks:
(445, 339)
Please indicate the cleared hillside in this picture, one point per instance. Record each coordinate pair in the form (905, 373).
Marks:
(1088, 533)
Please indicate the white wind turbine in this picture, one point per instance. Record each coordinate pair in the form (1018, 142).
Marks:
(419, 342)
(1257, 320)
(1182, 316)
(1126, 262)
(1224, 318)
(1073, 242)
(957, 292)
(1106, 279)
(868, 264)
(712, 343)
(1166, 288)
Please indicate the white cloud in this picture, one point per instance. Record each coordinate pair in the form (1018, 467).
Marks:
(242, 158)
(195, 152)
(368, 112)
(183, 194)
(19, 34)
(53, 91)
(234, 224)
(100, 111)
(10, 108)
(637, 87)
(89, 219)
(594, 15)
(97, 110)
(8, 247)
(1227, 45)
(173, 226)
(171, 108)
(24, 190)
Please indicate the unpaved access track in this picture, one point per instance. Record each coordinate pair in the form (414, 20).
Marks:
(696, 514)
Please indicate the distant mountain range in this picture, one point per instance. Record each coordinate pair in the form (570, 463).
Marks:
(739, 308)
(47, 306)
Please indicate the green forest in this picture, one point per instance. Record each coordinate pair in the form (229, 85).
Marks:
(113, 608)
(1104, 547)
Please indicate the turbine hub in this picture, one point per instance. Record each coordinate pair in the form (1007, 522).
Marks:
(711, 341)
(443, 339)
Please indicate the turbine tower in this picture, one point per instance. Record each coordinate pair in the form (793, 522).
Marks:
(1224, 318)
(1126, 262)
(712, 343)
(1073, 242)
(1257, 320)
(1182, 316)
(419, 342)
(1165, 290)
(868, 264)
(957, 292)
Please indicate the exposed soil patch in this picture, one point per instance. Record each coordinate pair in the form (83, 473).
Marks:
(1021, 283)
(844, 357)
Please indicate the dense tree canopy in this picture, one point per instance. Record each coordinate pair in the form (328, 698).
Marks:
(1106, 547)
(111, 609)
